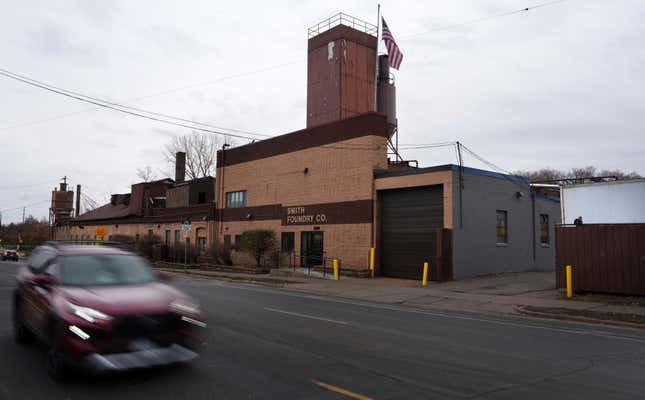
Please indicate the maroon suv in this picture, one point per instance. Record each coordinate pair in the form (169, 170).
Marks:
(102, 308)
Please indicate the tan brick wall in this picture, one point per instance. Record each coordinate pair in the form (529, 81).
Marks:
(348, 242)
(337, 172)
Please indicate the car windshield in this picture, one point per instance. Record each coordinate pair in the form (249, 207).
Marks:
(104, 269)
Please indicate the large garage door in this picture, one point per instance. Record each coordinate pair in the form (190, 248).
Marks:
(409, 220)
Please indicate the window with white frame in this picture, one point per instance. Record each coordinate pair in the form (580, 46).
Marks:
(236, 199)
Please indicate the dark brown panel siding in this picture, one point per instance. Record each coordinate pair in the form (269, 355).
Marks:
(605, 258)
(345, 212)
(350, 128)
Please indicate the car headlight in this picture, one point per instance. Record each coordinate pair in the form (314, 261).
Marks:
(89, 314)
(184, 307)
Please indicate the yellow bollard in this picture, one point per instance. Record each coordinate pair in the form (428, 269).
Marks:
(372, 261)
(569, 282)
(425, 274)
(335, 269)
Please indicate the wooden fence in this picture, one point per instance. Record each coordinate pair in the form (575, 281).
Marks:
(608, 258)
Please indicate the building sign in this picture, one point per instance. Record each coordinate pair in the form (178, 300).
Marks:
(304, 216)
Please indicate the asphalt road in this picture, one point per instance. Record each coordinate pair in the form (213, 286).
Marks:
(273, 344)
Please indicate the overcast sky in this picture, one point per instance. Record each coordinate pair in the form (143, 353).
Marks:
(559, 86)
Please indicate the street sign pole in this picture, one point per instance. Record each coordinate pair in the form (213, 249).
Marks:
(186, 228)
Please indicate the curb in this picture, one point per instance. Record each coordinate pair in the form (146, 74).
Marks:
(266, 282)
(576, 318)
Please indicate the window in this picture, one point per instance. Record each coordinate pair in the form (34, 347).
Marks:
(288, 239)
(149, 233)
(136, 237)
(227, 242)
(177, 238)
(544, 229)
(201, 243)
(502, 227)
(104, 269)
(167, 237)
(39, 259)
(236, 199)
(201, 197)
(238, 241)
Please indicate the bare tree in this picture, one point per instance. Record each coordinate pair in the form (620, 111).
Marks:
(146, 174)
(550, 174)
(201, 152)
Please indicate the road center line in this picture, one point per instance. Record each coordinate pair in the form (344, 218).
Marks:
(340, 390)
(306, 316)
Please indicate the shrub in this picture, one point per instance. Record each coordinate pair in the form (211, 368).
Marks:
(257, 243)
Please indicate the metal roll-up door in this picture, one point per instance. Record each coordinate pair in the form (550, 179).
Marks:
(409, 219)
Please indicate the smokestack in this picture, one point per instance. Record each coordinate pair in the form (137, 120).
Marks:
(180, 167)
(386, 93)
(78, 200)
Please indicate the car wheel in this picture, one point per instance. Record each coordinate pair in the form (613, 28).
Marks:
(20, 332)
(56, 365)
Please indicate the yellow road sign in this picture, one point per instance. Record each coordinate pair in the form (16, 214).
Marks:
(100, 232)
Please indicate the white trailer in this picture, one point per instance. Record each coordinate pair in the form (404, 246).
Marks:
(618, 202)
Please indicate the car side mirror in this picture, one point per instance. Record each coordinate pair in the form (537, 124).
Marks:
(164, 276)
(44, 281)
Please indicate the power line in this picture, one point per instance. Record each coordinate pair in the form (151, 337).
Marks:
(162, 93)
(25, 206)
(425, 146)
(120, 108)
(486, 18)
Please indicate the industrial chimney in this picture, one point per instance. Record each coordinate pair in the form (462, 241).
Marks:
(180, 167)
(386, 94)
(78, 200)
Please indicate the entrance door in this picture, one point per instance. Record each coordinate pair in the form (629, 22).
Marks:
(311, 248)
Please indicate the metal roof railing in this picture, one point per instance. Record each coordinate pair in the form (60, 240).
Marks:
(342, 19)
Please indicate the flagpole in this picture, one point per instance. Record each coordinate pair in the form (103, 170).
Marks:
(378, 24)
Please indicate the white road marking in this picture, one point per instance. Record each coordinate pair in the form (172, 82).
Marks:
(306, 316)
(294, 293)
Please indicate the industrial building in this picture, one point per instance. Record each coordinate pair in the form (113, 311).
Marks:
(151, 211)
(331, 192)
(339, 187)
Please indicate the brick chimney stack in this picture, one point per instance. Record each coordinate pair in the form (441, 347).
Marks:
(180, 167)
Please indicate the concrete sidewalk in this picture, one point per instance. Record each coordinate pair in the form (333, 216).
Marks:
(527, 293)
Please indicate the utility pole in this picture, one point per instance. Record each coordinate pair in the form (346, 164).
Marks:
(461, 185)
(23, 214)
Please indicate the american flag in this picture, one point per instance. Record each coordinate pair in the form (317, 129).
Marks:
(394, 54)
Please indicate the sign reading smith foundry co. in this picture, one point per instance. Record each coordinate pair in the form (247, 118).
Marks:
(303, 216)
